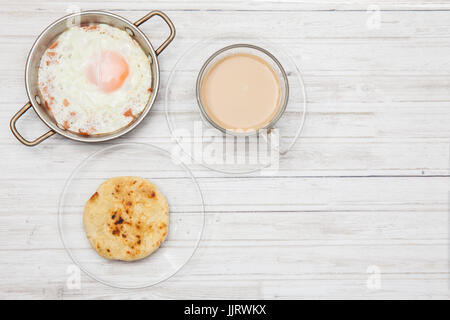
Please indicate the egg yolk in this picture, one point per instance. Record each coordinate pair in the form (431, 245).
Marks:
(107, 70)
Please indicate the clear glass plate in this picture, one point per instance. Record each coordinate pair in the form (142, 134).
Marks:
(174, 180)
(196, 137)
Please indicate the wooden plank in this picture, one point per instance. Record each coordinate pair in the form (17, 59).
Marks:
(326, 268)
(268, 193)
(37, 230)
(309, 157)
(236, 5)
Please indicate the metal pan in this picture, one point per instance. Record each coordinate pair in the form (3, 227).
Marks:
(47, 37)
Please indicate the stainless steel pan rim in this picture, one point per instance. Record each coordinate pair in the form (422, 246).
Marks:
(34, 56)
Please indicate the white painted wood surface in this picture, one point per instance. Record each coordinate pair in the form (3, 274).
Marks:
(366, 185)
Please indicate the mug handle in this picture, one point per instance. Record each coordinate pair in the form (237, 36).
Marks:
(19, 137)
(169, 23)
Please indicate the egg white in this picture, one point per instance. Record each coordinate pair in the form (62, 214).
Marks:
(62, 76)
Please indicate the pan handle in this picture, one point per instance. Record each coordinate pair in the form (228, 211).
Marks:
(19, 137)
(167, 20)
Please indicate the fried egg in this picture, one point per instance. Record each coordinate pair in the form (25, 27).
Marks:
(95, 79)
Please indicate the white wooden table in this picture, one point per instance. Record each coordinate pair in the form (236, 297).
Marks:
(359, 208)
